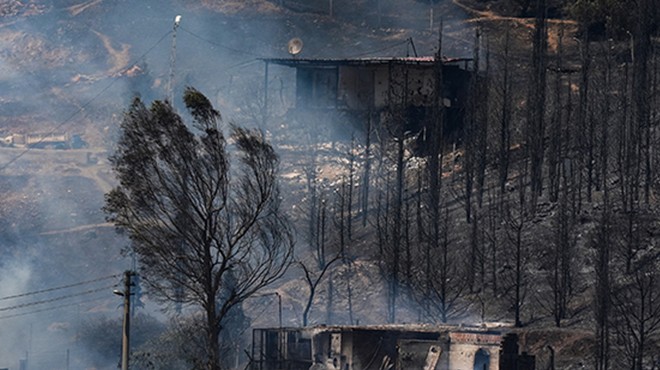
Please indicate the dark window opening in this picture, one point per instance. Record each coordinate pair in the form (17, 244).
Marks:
(317, 87)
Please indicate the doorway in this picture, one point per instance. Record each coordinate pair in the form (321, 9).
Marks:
(482, 360)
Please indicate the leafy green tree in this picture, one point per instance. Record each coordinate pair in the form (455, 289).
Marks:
(207, 228)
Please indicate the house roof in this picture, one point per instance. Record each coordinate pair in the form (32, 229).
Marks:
(375, 61)
(486, 328)
(410, 328)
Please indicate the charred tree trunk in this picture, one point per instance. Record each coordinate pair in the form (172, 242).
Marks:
(482, 136)
(555, 150)
(434, 167)
(602, 299)
(536, 126)
(367, 170)
(641, 88)
(493, 224)
(516, 222)
(562, 280)
(213, 335)
(349, 193)
(397, 225)
(470, 133)
(505, 118)
(584, 122)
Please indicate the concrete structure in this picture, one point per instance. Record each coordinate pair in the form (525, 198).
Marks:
(399, 347)
(44, 141)
(474, 350)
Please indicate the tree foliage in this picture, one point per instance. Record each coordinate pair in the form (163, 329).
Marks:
(207, 227)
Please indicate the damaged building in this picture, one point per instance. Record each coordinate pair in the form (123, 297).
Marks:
(373, 91)
(397, 347)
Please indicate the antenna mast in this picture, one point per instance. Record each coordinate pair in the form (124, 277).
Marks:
(170, 83)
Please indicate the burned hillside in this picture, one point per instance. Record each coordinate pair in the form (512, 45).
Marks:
(542, 212)
(537, 207)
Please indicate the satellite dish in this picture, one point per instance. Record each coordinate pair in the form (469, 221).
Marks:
(295, 46)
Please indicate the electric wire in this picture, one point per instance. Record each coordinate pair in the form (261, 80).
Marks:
(242, 64)
(56, 299)
(380, 50)
(218, 44)
(59, 287)
(52, 308)
(258, 56)
(83, 106)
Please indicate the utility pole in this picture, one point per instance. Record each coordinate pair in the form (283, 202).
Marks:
(279, 307)
(170, 83)
(127, 318)
(431, 16)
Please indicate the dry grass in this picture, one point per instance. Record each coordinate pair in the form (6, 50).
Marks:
(79, 8)
(119, 58)
(23, 50)
(555, 26)
(241, 6)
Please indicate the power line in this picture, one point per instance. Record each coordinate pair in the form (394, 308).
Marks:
(382, 49)
(82, 107)
(29, 304)
(49, 308)
(59, 287)
(242, 64)
(220, 45)
(261, 57)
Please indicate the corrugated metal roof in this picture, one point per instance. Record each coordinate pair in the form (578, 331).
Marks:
(375, 61)
(494, 327)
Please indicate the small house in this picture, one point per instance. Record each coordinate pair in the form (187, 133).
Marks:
(380, 88)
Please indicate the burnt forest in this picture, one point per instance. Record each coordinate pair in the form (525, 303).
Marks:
(329, 184)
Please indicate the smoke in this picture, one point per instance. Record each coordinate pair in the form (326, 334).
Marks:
(14, 280)
(72, 66)
(60, 259)
(79, 58)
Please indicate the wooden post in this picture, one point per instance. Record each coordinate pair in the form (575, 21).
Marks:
(126, 324)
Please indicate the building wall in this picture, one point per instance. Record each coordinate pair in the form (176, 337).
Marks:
(356, 88)
(340, 350)
(355, 348)
(464, 347)
(462, 356)
(381, 86)
(403, 84)
(347, 351)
